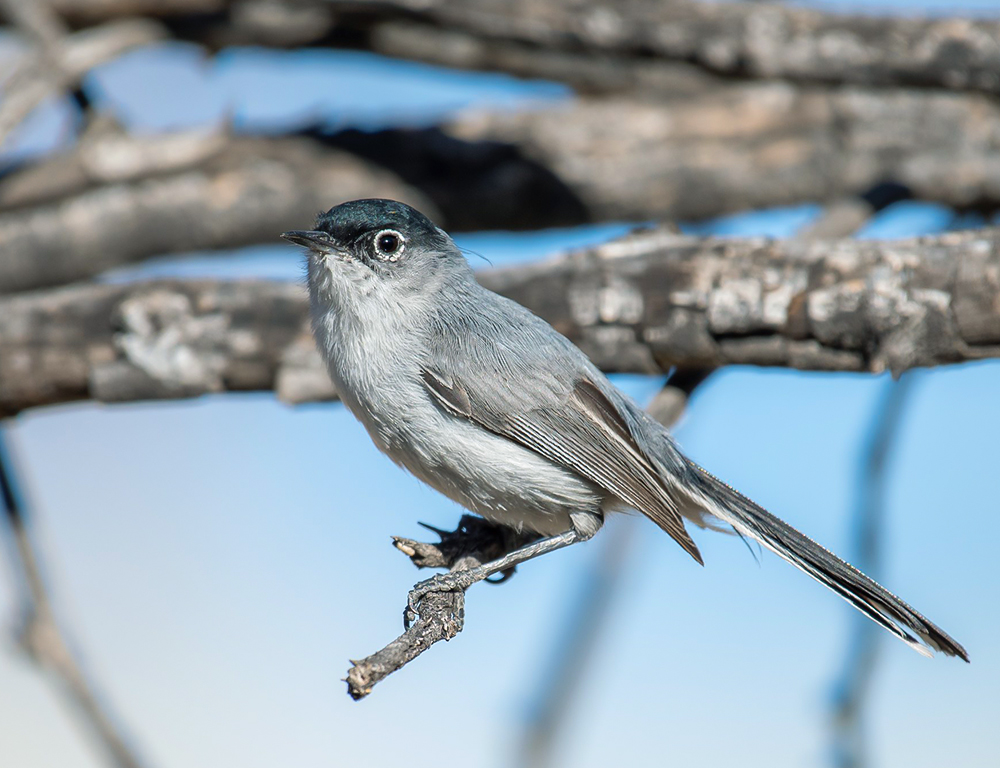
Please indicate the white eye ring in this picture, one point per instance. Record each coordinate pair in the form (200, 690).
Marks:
(389, 245)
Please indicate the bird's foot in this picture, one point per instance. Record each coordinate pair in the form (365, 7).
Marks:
(454, 581)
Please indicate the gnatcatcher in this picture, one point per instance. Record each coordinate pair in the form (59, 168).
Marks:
(490, 405)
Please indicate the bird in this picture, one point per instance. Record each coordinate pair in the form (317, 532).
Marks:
(487, 403)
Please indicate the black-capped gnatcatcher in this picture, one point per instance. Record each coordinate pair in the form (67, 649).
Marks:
(490, 405)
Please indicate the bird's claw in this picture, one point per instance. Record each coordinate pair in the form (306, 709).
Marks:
(455, 581)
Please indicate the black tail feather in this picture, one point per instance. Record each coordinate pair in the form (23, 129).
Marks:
(873, 600)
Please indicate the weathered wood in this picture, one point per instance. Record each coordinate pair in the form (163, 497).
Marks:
(125, 199)
(644, 303)
(754, 145)
(118, 199)
(734, 39)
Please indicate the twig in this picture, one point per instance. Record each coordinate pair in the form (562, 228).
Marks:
(42, 639)
(851, 689)
(441, 615)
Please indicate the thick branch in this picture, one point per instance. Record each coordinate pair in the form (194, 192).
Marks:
(645, 303)
(733, 39)
(656, 299)
(125, 199)
(751, 146)
(118, 199)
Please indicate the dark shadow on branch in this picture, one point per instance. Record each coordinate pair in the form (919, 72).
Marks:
(475, 184)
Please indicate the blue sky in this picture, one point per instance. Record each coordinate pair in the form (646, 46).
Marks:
(221, 559)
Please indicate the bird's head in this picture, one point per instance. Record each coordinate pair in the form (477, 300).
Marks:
(377, 249)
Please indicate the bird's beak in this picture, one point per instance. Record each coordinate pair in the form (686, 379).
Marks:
(308, 238)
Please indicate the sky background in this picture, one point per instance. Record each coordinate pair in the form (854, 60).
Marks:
(219, 560)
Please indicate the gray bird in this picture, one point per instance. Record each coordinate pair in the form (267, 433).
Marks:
(490, 405)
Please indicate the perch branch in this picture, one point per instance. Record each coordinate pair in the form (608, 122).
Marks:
(441, 615)
(645, 303)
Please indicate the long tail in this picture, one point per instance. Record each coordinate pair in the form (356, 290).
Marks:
(873, 600)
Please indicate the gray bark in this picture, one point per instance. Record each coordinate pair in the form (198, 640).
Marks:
(121, 199)
(733, 39)
(117, 199)
(440, 615)
(755, 145)
(644, 303)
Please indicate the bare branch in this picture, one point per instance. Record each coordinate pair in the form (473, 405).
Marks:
(131, 198)
(733, 39)
(655, 299)
(441, 615)
(593, 159)
(42, 638)
(645, 303)
(751, 145)
(760, 40)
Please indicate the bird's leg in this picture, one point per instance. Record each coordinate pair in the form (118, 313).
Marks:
(462, 580)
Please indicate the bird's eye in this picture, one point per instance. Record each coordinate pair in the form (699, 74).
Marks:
(389, 244)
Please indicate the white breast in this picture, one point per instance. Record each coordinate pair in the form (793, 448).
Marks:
(378, 378)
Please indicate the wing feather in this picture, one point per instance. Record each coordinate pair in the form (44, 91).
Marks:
(582, 431)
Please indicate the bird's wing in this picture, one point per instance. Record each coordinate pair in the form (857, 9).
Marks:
(544, 395)
(540, 391)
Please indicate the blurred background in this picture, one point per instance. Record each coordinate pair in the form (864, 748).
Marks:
(214, 555)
